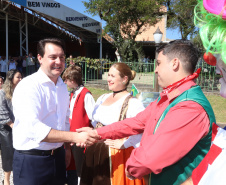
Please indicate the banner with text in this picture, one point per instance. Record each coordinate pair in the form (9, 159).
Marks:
(61, 12)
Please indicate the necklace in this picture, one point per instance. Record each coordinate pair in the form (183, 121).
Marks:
(74, 91)
(115, 92)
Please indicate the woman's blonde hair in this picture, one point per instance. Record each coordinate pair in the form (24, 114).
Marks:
(124, 70)
(8, 85)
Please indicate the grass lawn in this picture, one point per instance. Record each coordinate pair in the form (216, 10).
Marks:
(219, 107)
(218, 103)
(97, 92)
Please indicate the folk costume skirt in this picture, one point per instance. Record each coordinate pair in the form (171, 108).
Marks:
(106, 166)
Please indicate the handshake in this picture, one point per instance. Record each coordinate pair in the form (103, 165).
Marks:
(86, 136)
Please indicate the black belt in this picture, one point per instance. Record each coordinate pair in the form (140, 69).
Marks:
(39, 152)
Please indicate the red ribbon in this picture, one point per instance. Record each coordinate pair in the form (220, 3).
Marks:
(178, 83)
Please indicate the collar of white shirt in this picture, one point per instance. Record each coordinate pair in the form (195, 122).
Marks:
(45, 79)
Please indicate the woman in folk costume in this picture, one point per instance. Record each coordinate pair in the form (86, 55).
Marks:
(210, 17)
(81, 108)
(105, 165)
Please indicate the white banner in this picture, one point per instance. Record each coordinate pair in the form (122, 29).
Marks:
(61, 12)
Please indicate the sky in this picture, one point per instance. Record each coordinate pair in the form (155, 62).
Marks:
(78, 6)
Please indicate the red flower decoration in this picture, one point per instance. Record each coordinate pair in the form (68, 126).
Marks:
(210, 59)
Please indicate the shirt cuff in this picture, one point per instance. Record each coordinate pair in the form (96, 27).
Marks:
(41, 131)
(101, 132)
(127, 143)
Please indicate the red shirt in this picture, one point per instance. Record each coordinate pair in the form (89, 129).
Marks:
(183, 126)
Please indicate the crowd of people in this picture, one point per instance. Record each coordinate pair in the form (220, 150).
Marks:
(51, 138)
(27, 64)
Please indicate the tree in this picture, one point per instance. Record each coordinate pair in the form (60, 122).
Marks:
(198, 43)
(181, 15)
(125, 19)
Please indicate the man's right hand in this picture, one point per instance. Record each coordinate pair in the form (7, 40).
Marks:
(86, 137)
(84, 129)
(81, 138)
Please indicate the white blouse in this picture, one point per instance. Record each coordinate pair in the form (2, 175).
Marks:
(110, 114)
(88, 101)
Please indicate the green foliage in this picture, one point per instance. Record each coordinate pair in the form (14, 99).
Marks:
(90, 62)
(198, 43)
(130, 50)
(181, 15)
(125, 19)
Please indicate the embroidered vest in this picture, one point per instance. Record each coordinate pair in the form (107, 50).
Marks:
(177, 173)
(79, 115)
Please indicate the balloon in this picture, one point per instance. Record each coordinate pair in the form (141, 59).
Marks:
(210, 59)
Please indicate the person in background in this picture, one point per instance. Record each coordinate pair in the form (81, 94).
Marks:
(41, 127)
(37, 65)
(167, 151)
(119, 58)
(12, 64)
(105, 165)
(1, 81)
(81, 109)
(13, 77)
(0, 63)
(4, 66)
(30, 63)
(71, 60)
(20, 64)
(24, 69)
(145, 60)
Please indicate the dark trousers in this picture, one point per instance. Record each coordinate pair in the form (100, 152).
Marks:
(6, 147)
(39, 170)
(72, 178)
(30, 69)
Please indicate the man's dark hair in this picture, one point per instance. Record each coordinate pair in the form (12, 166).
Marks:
(182, 49)
(41, 45)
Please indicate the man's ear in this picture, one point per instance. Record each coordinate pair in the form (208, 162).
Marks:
(39, 58)
(175, 63)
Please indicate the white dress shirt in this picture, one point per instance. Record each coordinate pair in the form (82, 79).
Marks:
(38, 106)
(110, 114)
(12, 65)
(88, 101)
(4, 66)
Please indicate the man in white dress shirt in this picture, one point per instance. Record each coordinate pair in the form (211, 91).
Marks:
(41, 110)
(4, 66)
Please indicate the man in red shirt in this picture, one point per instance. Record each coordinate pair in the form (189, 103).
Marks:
(176, 127)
